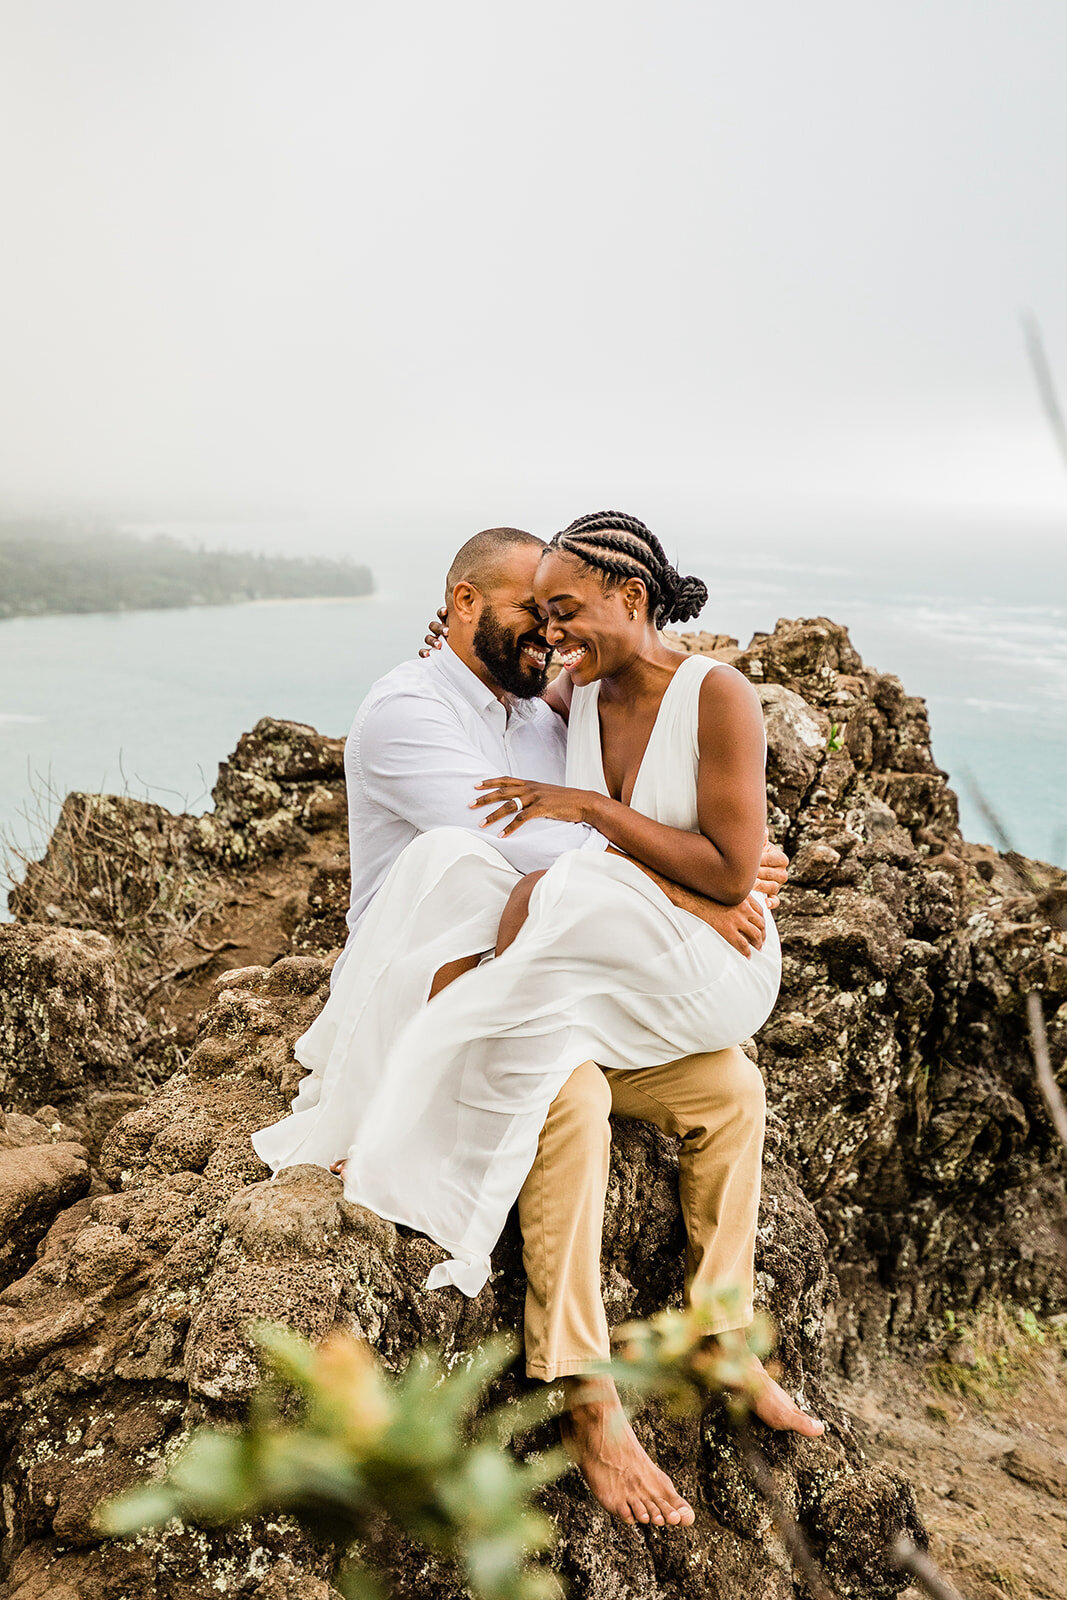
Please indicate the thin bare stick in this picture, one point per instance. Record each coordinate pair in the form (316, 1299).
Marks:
(1046, 383)
(1057, 1107)
(793, 1539)
(917, 1564)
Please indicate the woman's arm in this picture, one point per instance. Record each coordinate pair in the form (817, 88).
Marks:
(722, 860)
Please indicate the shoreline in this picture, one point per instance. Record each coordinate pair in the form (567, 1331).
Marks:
(203, 605)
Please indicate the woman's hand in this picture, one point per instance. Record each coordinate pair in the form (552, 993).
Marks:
(438, 632)
(519, 800)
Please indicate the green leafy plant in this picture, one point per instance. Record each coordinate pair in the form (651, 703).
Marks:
(360, 1443)
(337, 1442)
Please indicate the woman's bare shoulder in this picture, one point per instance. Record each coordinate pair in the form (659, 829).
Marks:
(727, 699)
(726, 686)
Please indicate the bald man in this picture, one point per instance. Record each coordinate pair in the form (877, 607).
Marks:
(426, 734)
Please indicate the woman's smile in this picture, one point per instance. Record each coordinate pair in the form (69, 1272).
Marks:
(572, 656)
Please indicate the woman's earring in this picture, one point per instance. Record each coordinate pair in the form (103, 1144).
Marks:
(633, 613)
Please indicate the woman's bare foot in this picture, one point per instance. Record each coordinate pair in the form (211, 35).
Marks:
(338, 1167)
(779, 1410)
(606, 1451)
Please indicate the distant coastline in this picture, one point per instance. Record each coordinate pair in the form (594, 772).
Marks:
(50, 569)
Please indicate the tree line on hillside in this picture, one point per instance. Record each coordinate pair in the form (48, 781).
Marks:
(44, 568)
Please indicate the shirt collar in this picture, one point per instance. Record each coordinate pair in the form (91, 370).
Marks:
(474, 691)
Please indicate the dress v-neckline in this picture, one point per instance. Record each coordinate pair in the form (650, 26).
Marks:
(648, 741)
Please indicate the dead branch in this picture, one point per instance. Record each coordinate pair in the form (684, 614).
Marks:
(791, 1535)
(917, 1564)
(1057, 1108)
(1046, 383)
(187, 968)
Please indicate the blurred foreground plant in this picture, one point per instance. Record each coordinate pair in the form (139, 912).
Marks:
(361, 1443)
(673, 1355)
(421, 1449)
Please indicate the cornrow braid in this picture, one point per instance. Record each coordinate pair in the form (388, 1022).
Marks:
(621, 547)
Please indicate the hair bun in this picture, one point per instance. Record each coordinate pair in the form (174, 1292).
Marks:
(688, 600)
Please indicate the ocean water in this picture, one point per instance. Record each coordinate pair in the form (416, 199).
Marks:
(150, 702)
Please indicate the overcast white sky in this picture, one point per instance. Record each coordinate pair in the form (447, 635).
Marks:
(334, 257)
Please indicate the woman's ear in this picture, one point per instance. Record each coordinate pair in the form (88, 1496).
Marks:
(634, 596)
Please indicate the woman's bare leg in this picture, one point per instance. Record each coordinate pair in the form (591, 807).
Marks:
(451, 971)
(516, 911)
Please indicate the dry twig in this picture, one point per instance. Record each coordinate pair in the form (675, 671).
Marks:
(1057, 1107)
(1046, 383)
(792, 1537)
(917, 1564)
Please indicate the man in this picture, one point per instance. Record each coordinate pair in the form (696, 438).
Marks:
(427, 733)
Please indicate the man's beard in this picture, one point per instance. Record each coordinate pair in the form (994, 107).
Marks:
(501, 655)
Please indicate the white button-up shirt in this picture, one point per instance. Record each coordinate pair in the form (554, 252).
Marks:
(424, 736)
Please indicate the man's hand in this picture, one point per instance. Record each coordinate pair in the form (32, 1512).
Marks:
(772, 873)
(742, 926)
(438, 632)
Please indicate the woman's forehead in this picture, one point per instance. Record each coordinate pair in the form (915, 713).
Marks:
(559, 573)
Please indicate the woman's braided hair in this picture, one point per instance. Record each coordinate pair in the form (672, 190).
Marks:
(621, 547)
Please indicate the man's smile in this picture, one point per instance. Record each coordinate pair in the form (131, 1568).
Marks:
(536, 654)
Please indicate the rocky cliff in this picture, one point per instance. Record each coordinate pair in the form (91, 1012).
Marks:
(151, 988)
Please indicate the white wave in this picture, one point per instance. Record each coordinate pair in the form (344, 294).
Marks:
(995, 705)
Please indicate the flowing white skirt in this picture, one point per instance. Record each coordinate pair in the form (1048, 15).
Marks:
(437, 1107)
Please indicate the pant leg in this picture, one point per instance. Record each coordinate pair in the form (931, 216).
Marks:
(715, 1104)
(561, 1213)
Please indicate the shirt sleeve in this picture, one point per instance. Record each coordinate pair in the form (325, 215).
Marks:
(412, 757)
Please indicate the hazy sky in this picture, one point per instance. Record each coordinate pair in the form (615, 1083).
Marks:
(328, 256)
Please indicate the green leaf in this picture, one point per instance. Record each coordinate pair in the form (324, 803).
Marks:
(148, 1506)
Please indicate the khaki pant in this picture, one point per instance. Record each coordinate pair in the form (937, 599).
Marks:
(715, 1105)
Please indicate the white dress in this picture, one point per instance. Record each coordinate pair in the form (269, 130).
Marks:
(438, 1106)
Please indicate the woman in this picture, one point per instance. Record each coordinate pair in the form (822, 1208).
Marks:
(437, 1107)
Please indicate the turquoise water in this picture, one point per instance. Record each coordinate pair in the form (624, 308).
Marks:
(152, 701)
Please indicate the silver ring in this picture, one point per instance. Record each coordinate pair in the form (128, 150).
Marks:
(518, 802)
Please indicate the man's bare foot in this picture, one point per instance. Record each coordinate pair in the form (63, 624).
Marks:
(606, 1451)
(779, 1410)
(338, 1167)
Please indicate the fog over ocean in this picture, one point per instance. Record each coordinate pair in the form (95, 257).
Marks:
(976, 623)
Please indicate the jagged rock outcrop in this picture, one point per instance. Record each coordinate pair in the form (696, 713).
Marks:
(898, 1054)
(906, 1131)
(65, 1029)
(43, 1169)
(133, 1325)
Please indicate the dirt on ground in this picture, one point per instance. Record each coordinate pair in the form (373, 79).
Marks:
(987, 1456)
(251, 923)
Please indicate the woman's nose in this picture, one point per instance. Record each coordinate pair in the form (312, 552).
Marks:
(553, 632)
